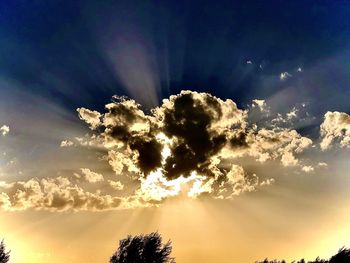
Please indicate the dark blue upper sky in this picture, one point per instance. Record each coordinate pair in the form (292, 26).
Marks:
(80, 53)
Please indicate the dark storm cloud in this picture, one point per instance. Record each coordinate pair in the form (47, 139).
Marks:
(189, 121)
(190, 132)
(149, 153)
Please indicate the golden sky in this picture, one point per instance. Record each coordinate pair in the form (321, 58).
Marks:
(203, 231)
(264, 191)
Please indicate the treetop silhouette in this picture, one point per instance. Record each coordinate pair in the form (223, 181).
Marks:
(4, 256)
(143, 249)
(343, 256)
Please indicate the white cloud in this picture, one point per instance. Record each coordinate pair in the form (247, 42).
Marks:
(66, 143)
(90, 117)
(307, 169)
(336, 125)
(116, 185)
(261, 104)
(322, 164)
(91, 177)
(267, 182)
(288, 159)
(4, 130)
(285, 75)
(283, 144)
(60, 194)
(292, 114)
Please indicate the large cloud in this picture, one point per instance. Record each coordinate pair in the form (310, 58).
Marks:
(336, 125)
(54, 194)
(191, 127)
(59, 194)
(192, 142)
(190, 138)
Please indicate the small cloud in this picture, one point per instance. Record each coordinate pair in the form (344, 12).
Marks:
(307, 169)
(249, 62)
(116, 185)
(322, 164)
(90, 176)
(90, 117)
(285, 75)
(4, 130)
(292, 114)
(66, 143)
(261, 104)
(299, 69)
(288, 159)
(267, 182)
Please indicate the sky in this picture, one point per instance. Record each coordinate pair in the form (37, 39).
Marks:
(224, 125)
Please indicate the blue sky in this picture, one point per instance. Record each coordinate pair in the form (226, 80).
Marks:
(62, 49)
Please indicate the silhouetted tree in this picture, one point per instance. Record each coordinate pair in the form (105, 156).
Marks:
(343, 256)
(317, 260)
(271, 261)
(4, 256)
(143, 249)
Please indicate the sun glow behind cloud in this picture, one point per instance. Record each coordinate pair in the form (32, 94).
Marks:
(193, 144)
(181, 206)
(277, 178)
(189, 197)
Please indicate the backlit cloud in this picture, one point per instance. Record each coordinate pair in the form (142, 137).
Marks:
(261, 104)
(189, 139)
(66, 143)
(307, 169)
(336, 126)
(53, 194)
(90, 117)
(117, 185)
(191, 145)
(90, 176)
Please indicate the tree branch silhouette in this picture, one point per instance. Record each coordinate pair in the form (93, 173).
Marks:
(143, 249)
